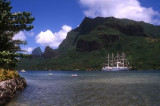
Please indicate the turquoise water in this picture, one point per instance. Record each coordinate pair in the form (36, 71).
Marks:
(89, 89)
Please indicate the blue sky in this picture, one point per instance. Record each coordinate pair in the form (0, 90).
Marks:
(54, 18)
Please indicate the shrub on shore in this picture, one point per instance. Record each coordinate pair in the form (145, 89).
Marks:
(8, 74)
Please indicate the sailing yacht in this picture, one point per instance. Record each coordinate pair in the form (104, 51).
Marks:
(116, 63)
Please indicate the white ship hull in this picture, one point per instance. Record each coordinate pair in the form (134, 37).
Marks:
(115, 69)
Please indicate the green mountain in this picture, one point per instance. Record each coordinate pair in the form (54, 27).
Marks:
(87, 46)
(49, 52)
(37, 52)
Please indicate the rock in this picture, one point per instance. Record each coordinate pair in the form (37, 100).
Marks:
(9, 88)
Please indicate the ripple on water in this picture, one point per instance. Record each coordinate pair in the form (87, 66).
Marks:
(89, 89)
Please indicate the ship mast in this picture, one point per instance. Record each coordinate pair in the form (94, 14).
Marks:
(117, 60)
(112, 61)
(123, 57)
(108, 60)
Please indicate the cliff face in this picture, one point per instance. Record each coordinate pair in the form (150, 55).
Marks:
(84, 45)
(103, 41)
(9, 88)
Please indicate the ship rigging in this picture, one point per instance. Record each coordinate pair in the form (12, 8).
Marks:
(116, 63)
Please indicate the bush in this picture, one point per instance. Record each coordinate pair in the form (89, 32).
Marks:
(8, 74)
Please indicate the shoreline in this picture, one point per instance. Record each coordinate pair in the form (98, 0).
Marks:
(9, 88)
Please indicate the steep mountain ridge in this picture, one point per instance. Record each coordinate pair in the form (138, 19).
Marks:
(125, 26)
(86, 47)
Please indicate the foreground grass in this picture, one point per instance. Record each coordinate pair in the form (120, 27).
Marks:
(8, 74)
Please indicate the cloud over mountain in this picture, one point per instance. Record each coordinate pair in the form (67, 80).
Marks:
(48, 38)
(130, 9)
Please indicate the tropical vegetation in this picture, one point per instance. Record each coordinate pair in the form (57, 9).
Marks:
(8, 74)
(11, 24)
(87, 46)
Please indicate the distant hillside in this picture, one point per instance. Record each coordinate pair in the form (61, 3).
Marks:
(48, 52)
(37, 52)
(87, 46)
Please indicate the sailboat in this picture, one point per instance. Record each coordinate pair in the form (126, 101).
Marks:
(116, 63)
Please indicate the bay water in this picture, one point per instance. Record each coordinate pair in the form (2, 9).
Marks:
(128, 88)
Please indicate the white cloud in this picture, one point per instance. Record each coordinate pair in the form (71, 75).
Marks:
(22, 35)
(48, 38)
(19, 36)
(28, 49)
(30, 33)
(121, 9)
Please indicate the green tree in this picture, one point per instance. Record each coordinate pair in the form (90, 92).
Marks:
(10, 24)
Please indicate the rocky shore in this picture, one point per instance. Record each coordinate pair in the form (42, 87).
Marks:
(9, 88)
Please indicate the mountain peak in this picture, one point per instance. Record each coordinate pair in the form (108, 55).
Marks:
(37, 52)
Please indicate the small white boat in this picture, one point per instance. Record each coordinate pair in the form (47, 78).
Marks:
(50, 74)
(23, 71)
(74, 75)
